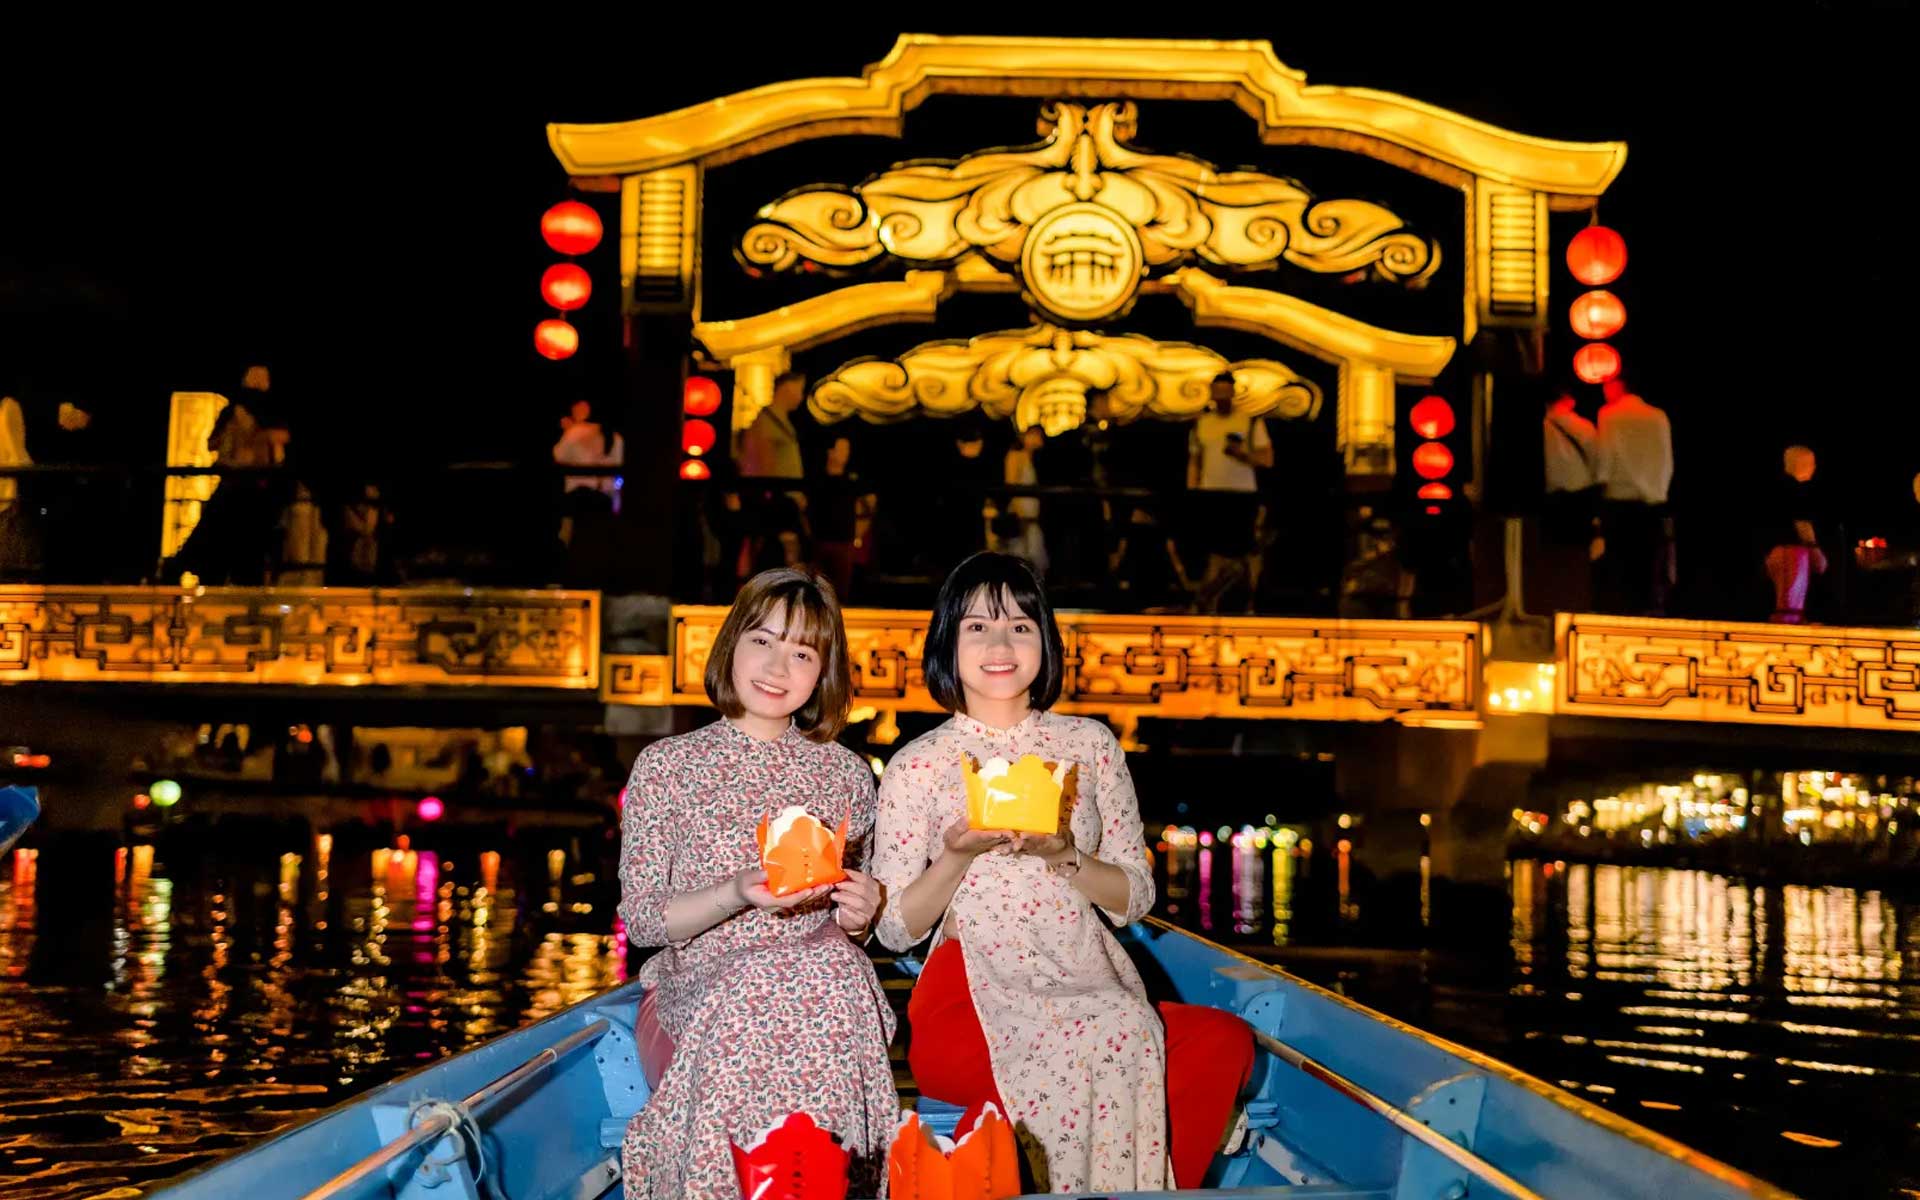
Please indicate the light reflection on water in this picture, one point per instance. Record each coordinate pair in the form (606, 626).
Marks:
(1774, 1026)
(169, 1017)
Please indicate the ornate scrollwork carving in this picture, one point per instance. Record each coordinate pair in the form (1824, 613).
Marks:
(1042, 375)
(1176, 209)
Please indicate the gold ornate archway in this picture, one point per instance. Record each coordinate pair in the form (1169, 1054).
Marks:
(1083, 223)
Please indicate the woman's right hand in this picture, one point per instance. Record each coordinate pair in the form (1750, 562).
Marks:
(751, 887)
(968, 842)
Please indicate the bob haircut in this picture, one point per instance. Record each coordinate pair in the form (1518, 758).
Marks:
(813, 614)
(1004, 584)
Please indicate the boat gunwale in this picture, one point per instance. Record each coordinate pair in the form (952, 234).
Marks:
(1607, 1119)
(367, 1096)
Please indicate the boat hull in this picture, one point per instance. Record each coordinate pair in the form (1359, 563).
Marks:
(1344, 1103)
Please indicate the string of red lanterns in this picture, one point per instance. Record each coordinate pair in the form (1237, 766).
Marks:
(1432, 418)
(569, 228)
(699, 399)
(1597, 255)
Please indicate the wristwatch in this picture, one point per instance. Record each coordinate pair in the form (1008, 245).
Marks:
(1067, 868)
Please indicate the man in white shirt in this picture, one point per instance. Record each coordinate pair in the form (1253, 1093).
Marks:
(1223, 450)
(1571, 513)
(1635, 467)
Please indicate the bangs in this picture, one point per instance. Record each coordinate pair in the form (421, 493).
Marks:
(806, 614)
(1000, 602)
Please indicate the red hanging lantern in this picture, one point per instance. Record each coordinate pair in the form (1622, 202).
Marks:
(1597, 314)
(555, 339)
(697, 437)
(566, 286)
(1431, 460)
(1597, 255)
(1596, 362)
(571, 227)
(700, 397)
(1432, 417)
(1435, 491)
(694, 469)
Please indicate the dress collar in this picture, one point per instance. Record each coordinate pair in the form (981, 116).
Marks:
(791, 737)
(967, 724)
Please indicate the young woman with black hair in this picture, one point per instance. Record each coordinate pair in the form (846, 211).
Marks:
(1027, 999)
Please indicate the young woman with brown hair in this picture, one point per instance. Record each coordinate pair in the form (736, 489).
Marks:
(758, 1006)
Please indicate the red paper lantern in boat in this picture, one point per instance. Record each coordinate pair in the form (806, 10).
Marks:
(1596, 362)
(1431, 460)
(1597, 314)
(1435, 491)
(566, 286)
(694, 469)
(1432, 417)
(555, 339)
(1597, 255)
(571, 227)
(700, 397)
(697, 437)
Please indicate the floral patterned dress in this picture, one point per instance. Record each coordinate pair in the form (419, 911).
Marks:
(1078, 1053)
(770, 1012)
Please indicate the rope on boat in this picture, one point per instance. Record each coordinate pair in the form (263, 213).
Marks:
(461, 1127)
(1398, 1117)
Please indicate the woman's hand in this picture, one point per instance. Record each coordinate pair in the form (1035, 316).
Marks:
(751, 887)
(1050, 848)
(968, 842)
(855, 901)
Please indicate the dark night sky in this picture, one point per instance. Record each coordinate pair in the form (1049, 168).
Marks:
(361, 209)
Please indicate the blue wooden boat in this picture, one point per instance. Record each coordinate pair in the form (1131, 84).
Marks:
(1345, 1104)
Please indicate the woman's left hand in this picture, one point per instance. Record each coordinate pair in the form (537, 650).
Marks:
(1050, 848)
(855, 901)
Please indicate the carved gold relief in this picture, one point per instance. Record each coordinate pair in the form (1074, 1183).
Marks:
(1097, 213)
(1041, 376)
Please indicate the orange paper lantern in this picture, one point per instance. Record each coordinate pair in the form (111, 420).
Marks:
(697, 437)
(1431, 460)
(1597, 314)
(555, 339)
(982, 1165)
(1024, 797)
(1435, 491)
(1596, 362)
(1597, 255)
(700, 397)
(798, 852)
(571, 227)
(566, 286)
(793, 1160)
(694, 469)
(1432, 417)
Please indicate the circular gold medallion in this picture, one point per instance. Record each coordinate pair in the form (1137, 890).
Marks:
(1082, 262)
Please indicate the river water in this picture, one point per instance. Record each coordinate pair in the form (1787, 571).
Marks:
(160, 1006)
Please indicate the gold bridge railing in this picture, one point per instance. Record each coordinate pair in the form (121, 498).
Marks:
(1121, 665)
(303, 637)
(1130, 666)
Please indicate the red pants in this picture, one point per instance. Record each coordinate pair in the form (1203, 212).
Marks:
(1209, 1060)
